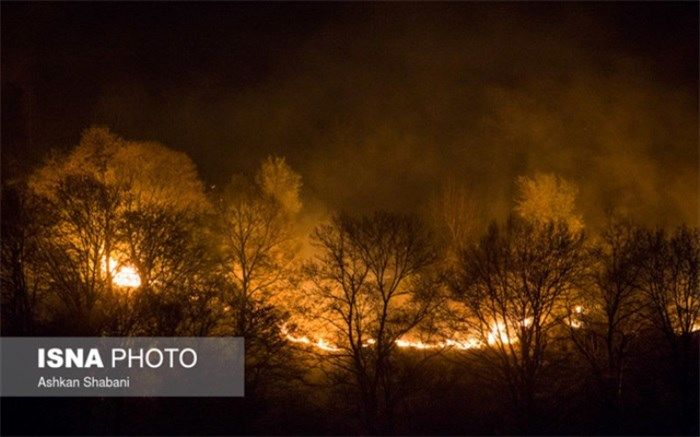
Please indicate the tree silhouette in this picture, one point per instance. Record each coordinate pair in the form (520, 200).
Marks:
(669, 280)
(113, 204)
(515, 285)
(372, 284)
(611, 312)
(22, 280)
(256, 248)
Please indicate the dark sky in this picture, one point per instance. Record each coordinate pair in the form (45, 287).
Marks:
(375, 104)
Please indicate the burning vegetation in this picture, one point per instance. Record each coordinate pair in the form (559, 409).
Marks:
(120, 237)
(431, 218)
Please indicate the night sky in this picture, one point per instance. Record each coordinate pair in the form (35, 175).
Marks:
(375, 105)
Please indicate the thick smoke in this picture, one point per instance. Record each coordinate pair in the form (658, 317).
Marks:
(377, 106)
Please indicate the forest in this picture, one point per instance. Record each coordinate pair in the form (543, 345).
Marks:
(436, 321)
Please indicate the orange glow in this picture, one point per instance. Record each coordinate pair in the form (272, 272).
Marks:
(123, 275)
(498, 334)
(126, 276)
(574, 321)
(322, 344)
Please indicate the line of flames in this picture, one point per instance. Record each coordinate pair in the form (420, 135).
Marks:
(324, 345)
(125, 275)
(497, 334)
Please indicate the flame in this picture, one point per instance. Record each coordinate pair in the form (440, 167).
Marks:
(322, 344)
(574, 321)
(123, 275)
(415, 344)
(470, 343)
(126, 276)
(369, 342)
(499, 333)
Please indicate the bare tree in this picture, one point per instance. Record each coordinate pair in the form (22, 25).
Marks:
(514, 286)
(669, 280)
(118, 204)
(254, 221)
(177, 274)
(22, 281)
(254, 229)
(609, 312)
(73, 251)
(372, 284)
(454, 215)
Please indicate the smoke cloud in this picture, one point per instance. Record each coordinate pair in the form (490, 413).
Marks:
(377, 106)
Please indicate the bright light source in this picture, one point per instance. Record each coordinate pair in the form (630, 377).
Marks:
(498, 333)
(527, 322)
(123, 275)
(126, 276)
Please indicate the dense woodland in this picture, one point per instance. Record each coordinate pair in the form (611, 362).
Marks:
(372, 323)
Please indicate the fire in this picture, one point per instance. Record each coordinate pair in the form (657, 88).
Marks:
(576, 324)
(498, 334)
(470, 343)
(415, 344)
(696, 326)
(320, 343)
(126, 276)
(123, 275)
(575, 321)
